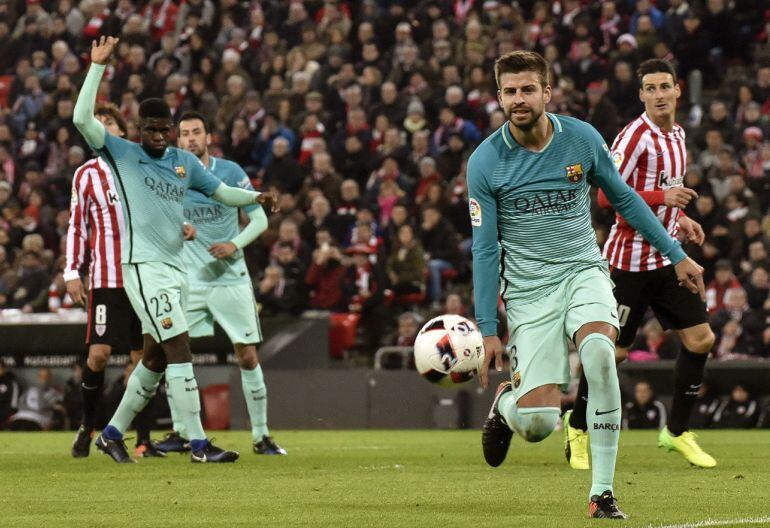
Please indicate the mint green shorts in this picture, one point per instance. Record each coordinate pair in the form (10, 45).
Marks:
(540, 332)
(232, 306)
(158, 294)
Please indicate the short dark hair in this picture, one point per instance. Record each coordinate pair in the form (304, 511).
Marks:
(111, 110)
(154, 108)
(519, 61)
(189, 115)
(655, 66)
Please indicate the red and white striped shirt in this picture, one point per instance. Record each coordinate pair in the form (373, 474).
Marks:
(648, 159)
(95, 205)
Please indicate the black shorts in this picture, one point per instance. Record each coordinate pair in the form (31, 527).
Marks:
(112, 321)
(674, 306)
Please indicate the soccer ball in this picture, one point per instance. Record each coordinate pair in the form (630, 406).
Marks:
(448, 350)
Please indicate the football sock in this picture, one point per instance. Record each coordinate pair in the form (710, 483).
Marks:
(178, 426)
(533, 424)
(688, 376)
(91, 388)
(183, 388)
(578, 417)
(140, 389)
(255, 393)
(597, 354)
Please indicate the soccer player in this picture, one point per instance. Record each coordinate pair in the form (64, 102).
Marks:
(111, 320)
(220, 286)
(152, 179)
(533, 244)
(651, 155)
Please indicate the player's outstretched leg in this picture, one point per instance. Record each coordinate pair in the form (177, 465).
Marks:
(688, 377)
(184, 390)
(140, 389)
(597, 354)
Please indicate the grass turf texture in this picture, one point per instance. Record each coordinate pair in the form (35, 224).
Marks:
(377, 478)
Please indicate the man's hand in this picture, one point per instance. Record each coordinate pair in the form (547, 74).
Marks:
(679, 197)
(222, 250)
(690, 275)
(269, 200)
(692, 230)
(189, 231)
(101, 51)
(493, 349)
(76, 291)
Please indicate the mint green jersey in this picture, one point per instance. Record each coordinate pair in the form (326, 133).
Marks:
(531, 214)
(152, 192)
(215, 222)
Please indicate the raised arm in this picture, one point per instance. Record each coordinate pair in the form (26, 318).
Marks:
(83, 117)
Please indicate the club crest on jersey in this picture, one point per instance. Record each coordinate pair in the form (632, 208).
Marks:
(179, 169)
(167, 323)
(475, 210)
(100, 329)
(575, 172)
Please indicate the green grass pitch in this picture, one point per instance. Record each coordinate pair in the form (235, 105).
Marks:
(380, 478)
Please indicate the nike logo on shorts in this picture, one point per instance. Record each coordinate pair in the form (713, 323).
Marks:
(599, 413)
(249, 333)
(188, 380)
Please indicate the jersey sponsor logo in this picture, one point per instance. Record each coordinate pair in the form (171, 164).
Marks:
(665, 180)
(179, 169)
(545, 203)
(617, 158)
(165, 190)
(167, 323)
(112, 198)
(575, 172)
(475, 210)
(204, 214)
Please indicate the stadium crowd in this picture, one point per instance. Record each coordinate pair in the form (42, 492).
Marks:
(361, 115)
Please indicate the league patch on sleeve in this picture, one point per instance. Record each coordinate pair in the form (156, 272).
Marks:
(74, 197)
(617, 158)
(244, 183)
(475, 210)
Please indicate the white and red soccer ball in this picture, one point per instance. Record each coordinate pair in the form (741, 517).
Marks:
(448, 350)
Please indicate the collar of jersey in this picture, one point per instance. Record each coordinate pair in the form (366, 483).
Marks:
(147, 157)
(512, 143)
(655, 127)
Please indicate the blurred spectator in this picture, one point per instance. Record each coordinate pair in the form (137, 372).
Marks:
(737, 411)
(724, 279)
(738, 327)
(276, 294)
(326, 279)
(653, 343)
(367, 286)
(30, 292)
(40, 406)
(440, 244)
(9, 394)
(644, 411)
(406, 263)
(408, 327)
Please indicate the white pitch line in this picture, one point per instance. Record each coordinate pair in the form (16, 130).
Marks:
(710, 522)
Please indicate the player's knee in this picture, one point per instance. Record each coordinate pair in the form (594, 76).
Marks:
(701, 343)
(156, 363)
(98, 355)
(248, 361)
(537, 426)
(597, 353)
